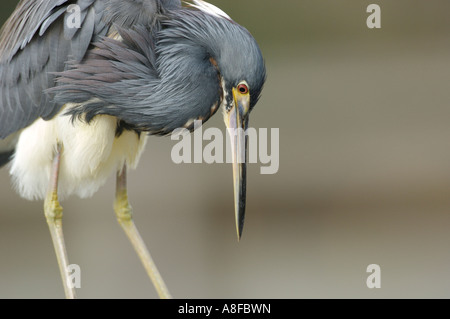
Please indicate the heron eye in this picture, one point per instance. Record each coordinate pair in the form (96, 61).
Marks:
(242, 88)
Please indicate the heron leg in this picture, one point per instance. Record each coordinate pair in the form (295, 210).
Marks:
(124, 215)
(53, 213)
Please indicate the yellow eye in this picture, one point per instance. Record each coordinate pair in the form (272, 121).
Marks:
(243, 89)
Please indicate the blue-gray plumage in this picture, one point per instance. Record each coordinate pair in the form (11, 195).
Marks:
(133, 67)
(157, 80)
(35, 42)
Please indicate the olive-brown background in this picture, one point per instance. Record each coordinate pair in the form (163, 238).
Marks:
(364, 118)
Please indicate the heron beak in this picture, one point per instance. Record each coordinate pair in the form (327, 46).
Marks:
(237, 123)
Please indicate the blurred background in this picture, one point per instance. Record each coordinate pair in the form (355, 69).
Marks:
(364, 119)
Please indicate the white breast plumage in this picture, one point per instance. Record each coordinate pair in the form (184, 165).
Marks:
(91, 153)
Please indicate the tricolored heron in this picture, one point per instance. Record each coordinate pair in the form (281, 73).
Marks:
(84, 82)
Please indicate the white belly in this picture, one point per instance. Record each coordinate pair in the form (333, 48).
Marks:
(91, 153)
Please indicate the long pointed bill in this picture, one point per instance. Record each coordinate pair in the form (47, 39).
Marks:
(237, 123)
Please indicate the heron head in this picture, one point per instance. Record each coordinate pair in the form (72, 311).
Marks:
(241, 67)
(217, 40)
(243, 73)
(242, 93)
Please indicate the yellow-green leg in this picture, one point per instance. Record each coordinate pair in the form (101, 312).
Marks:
(124, 215)
(53, 213)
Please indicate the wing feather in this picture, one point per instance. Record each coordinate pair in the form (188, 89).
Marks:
(36, 44)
